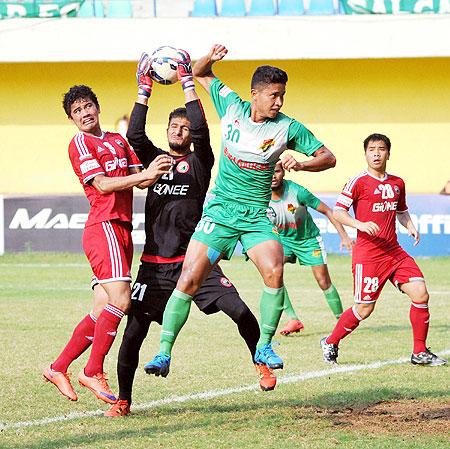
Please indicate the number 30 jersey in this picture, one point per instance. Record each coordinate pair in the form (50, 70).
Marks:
(250, 150)
(377, 200)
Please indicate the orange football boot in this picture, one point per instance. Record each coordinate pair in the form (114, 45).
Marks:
(98, 385)
(61, 381)
(292, 326)
(120, 408)
(267, 379)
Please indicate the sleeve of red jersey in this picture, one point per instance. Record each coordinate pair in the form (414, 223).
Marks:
(83, 159)
(347, 196)
(402, 206)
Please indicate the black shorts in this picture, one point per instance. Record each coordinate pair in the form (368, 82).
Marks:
(155, 283)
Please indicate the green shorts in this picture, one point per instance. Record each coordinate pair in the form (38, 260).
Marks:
(309, 252)
(224, 223)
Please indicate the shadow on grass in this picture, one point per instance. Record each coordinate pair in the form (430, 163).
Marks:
(214, 413)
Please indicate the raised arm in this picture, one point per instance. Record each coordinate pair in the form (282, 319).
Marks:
(198, 126)
(142, 145)
(203, 67)
(323, 159)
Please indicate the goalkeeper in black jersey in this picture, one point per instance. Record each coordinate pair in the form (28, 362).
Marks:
(172, 210)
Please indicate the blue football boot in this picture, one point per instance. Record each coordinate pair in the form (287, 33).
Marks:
(266, 356)
(159, 366)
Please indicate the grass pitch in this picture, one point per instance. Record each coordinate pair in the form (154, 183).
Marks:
(367, 405)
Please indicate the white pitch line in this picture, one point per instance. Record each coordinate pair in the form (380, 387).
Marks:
(215, 393)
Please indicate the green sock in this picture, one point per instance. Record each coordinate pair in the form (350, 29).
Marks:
(175, 315)
(271, 308)
(334, 301)
(287, 306)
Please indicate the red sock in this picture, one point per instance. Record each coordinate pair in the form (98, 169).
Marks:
(346, 324)
(105, 333)
(419, 316)
(81, 339)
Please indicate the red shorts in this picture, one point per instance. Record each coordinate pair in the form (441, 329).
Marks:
(109, 249)
(369, 278)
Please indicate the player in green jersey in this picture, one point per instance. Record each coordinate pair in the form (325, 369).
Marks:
(254, 135)
(301, 240)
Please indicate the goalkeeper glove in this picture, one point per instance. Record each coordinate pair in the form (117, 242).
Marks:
(184, 71)
(144, 82)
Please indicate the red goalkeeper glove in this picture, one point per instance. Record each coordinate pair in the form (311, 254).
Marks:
(184, 71)
(144, 82)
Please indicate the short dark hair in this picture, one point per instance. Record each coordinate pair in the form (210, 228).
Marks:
(267, 74)
(178, 112)
(376, 137)
(78, 92)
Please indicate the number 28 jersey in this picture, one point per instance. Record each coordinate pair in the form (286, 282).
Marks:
(108, 155)
(377, 200)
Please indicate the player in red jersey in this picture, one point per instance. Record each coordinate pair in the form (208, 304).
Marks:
(108, 170)
(378, 198)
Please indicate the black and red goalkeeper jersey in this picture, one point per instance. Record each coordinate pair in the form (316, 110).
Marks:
(174, 204)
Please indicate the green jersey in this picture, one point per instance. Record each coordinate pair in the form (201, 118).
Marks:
(290, 214)
(250, 150)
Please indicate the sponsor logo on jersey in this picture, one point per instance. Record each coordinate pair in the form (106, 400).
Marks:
(175, 189)
(183, 167)
(267, 144)
(120, 143)
(291, 208)
(245, 164)
(384, 206)
(88, 166)
(316, 253)
(226, 282)
(116, 162)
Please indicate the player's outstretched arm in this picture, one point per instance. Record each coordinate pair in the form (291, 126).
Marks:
(185, 76)
(346, 241)
(343, 217)
(323, 159)
(203, 67)
(144, 178)
(405, 220)
(142, 145)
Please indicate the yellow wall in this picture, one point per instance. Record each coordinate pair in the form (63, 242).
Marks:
(341, 101)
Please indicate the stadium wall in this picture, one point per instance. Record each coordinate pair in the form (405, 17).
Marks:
(342, 101)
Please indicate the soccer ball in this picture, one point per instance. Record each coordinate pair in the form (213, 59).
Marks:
(163, 65)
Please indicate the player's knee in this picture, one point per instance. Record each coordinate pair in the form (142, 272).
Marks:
(324, 283)
(240, 312)
(273, 275)
(421, 296)
(187, 283)
(365, 310)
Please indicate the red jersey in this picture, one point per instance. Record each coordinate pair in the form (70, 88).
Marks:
(108, 155)
(377, 200)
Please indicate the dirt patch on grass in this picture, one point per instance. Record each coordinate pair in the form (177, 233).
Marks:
(397, 417)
